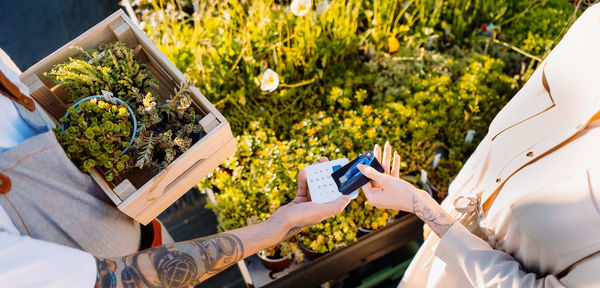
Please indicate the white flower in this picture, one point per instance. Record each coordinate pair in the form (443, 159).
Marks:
(300, 7)
(269, 81)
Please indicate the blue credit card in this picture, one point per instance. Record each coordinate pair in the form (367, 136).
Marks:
(348, 178)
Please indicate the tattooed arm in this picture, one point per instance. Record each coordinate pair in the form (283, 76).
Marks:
(388, 191)
(188, 263)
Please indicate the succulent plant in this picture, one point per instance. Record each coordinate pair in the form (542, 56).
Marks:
(96, 132)
(166, 129)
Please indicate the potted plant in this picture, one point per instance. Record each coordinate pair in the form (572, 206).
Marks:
(97, 133)
(167, 127)
(280, 256)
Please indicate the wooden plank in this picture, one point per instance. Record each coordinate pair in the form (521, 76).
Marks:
(341, 261)
(44, 96)
(181, 185)
(122, 31)
(209, 122)
(124, 189)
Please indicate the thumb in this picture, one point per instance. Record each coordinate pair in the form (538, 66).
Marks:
(339, 204)
(371, 173)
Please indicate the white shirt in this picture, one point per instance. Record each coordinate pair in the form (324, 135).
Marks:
(25, 261)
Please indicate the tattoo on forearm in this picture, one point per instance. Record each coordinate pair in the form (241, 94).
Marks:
(295, 230)
(106, 273)
(177, 265)
(437, 223)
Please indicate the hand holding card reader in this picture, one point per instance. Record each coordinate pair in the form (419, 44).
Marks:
(330, 180)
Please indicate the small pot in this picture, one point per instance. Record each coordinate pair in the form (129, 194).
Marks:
(118, 101)
(363, 231)
(276, 265)
(309, 253)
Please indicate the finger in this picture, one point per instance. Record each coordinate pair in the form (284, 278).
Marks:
(371, 173)
(387, 155)
(302, 184)
(377, 153)
(396, 165)
(323, 159)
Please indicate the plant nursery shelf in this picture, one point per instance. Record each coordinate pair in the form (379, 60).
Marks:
(338, 263)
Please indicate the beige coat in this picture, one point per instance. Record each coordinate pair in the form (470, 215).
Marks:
(542, 155)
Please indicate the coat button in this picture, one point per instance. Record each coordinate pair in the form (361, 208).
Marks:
(530, 154)
(498, 180)
(5, 184)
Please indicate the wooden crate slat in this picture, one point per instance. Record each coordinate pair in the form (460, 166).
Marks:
(121, 31)
(188, 179)
(43, 95)
(209, 122)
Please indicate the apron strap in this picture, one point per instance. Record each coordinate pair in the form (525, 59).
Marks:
(10, 90)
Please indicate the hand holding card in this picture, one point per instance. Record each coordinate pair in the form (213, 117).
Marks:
(349, 178)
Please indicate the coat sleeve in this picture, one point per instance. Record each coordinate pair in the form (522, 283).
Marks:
(486, 267)
(28, 262)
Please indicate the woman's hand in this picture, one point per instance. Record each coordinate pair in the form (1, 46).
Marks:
(387, 190)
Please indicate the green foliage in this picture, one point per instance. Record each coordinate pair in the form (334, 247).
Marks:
(96, 134)
(343, 88)
(166, 130)
(111, 68)
(367, 216)
(544, 24)
(330, 234)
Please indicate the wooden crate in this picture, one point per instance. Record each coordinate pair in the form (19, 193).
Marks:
(143, 195)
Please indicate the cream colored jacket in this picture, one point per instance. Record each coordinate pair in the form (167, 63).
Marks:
(542, 152)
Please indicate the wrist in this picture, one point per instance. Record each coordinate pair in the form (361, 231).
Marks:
(279, 224)
(420, 196)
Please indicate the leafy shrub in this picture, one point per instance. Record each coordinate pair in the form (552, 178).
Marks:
(330, 234)
(96, 134)
(542, 26)
(111, 68)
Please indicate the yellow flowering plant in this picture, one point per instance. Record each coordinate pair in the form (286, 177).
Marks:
(368, 217)
(330, 234)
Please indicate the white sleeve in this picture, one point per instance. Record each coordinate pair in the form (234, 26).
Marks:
(486, 267)
(28, 262)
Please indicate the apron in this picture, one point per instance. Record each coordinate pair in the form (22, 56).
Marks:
(50, 199)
